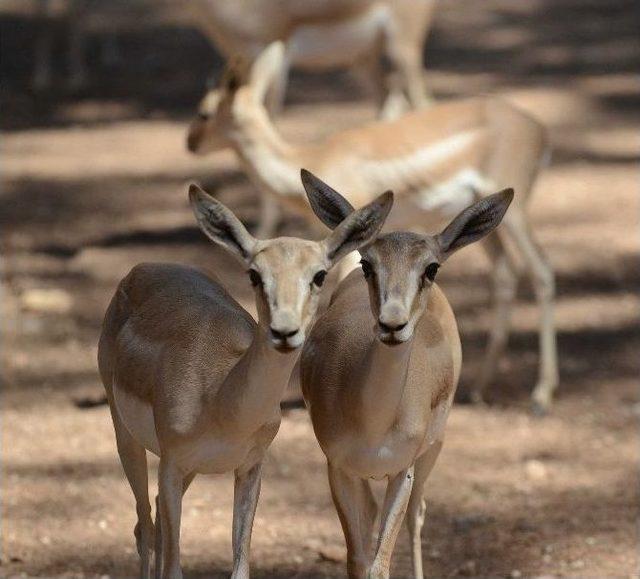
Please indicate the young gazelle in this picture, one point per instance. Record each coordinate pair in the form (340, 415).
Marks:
(192, 378)
(437, 161)
(379, 371)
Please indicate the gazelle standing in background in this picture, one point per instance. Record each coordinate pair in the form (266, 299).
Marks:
(379, 371)
(437, 161)
(191, 377)
(318, 36)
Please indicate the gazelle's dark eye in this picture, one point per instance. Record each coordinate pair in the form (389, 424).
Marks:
(255, 278)
(318, 279)
(367, 270)
(203, 116)
(431, 271)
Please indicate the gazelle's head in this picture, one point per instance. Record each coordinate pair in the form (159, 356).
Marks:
(239, 98)
(286, 272)
(400, 267)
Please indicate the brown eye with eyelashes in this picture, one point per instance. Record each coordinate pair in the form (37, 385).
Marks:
(431, 270)
(367, 270)
(255, 278)
(318, 279)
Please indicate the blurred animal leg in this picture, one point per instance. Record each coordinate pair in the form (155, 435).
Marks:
(386, 84)
(505, 285)
(395, 104)
(396, 501)
(245, 502)
(406, 62)
(543, 279)
(357, 511)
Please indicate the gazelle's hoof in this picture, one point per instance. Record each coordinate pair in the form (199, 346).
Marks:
(538, 409)
(542, 397)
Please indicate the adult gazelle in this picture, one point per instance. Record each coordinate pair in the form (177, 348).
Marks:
(192, 378)
(379, 371)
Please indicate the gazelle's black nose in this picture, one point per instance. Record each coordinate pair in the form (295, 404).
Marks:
(388, 328)
(283, 335)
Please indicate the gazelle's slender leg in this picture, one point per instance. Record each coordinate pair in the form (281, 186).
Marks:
(157, 572)
(269, 217)
(170, 484)
(158, 541)
(505, 285)
(357, 511)
(417, 506)
(245, 501)
(384, 84)
(407, 61)
(395, 105)
(410, 60)
(133, 457)
(395, 506)
(517, 227)
(369, 69)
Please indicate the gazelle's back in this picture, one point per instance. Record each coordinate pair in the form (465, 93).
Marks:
(465, 139)
(158, 307)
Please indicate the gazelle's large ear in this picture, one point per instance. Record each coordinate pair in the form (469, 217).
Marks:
(329, 206)
(220, 224)
(266, 69)
(474, 222)
(359, 229)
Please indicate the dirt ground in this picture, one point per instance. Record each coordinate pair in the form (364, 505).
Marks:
(93, 182)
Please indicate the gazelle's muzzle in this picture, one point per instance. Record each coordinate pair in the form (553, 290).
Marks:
(285, 331)
(393, 322)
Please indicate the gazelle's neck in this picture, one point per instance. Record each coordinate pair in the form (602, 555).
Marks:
(271, 163)
(252, 391)
(383, 379)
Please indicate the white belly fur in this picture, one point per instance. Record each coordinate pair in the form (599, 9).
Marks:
(452, 196)
(337, 44)
(137, 417)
